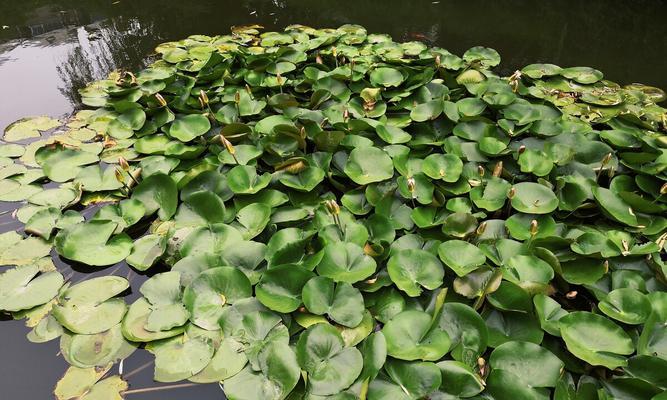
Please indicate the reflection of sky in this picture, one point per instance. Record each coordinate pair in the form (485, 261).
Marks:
(31, 61)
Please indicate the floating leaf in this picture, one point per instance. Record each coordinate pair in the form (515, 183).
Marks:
(413, 269)
(93, 243)
(595, 339)
(329, 365)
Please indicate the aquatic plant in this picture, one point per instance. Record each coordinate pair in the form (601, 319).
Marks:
(326, 213)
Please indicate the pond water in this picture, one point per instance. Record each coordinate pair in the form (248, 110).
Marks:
(50, 49)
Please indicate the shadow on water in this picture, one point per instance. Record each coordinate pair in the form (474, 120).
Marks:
(51, 48)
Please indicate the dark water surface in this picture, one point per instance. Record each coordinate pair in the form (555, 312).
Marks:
(50, 49)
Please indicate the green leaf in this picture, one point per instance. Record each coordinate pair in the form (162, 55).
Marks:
(187, 127)
(158, 193)
(459, 380)
(446, 167)
(27, 128)
(386, 77)
(61, 164)
(406, 381)
(595, 339)
(329, 365)
(90, 307)
(346, 262)
(277, 377)
(368, 164)
(411, 336)
(413, 269)
(532, 364)
(179, 358)
(462, 257)
(626, 305)
(24, 287)
(85, 384)
(280, 287)
(243, 179)
(341, 302)
(533, 198)
(146, 251)
(93, 243)
(211, 290)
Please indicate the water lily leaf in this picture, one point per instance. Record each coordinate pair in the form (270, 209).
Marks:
(521, 269)
(537, 71)
(95, 179)
(228, 360)
(201, 209)
(96, 350)
(368, 164)
(536, 162)
(90, 307)
(427, 111)
(341, 302)
(243, 179)
(595, 339)
(413, 269)
(125, 214)
(249, 106)
(43, 222)
(135, 322)
(27, 128)
(533, 198)
(305, 180)
(503, 384)
(277, 377)
(125, 124)
(411, 335)
(158, 193)
(61, 164)
(387, 77)
(253, 219)
(46, 329)
(24, 287)
(93, 243)
(345, 262)
(11, 150)
(211, 290)
(615, 206)
(187, 127)
(329, 365)
(626, 305)
(19, 251)
(179, 358)
(508, 326)
(467, 332)
(585, 75)
(462, 257)
(446, 167)
(146, 251)
(459, 380)
(392, 134)
(85, 384)
(374, 352)
(280, 287)
(532, 364)
(485, 56)
(406, 381)
(549, 312)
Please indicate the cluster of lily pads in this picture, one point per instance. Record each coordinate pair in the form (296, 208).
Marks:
(329, 214)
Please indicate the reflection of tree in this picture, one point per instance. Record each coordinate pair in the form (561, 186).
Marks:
(119, 43)
(122, 33)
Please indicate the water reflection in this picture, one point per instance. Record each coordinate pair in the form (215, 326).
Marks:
(51, 48)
